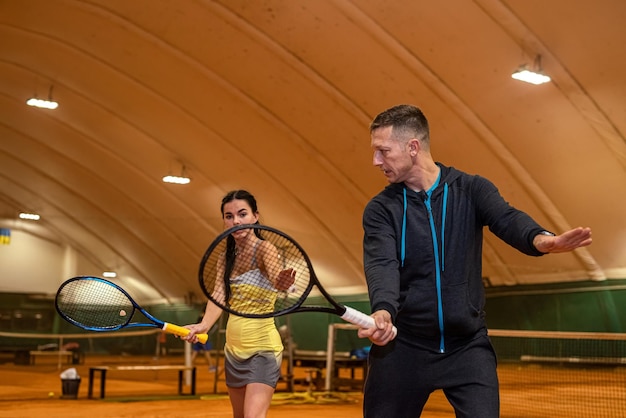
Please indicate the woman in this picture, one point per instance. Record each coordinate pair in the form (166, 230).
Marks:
(253, 349)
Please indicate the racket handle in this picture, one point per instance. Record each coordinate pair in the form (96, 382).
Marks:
(183, 332)
(359, 318)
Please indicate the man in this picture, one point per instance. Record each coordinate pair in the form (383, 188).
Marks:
(422, 252)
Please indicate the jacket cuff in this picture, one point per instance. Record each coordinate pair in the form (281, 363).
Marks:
(387, 307)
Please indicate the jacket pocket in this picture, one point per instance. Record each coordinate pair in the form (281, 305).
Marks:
(418, 313)
(460, 316)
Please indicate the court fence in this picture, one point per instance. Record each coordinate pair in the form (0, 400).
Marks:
(561, 374)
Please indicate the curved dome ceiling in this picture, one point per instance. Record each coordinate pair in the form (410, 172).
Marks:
(276, 97)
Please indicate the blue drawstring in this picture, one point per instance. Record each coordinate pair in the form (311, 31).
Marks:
(443, 224)
(403, 248)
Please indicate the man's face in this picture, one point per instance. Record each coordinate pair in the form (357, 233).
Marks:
(391, 155)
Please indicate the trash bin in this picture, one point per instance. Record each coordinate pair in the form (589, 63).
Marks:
(70, 388)
(22, 357)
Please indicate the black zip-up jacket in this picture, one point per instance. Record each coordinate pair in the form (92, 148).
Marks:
(424, 265)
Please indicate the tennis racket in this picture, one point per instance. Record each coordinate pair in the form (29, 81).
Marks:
(97, 304)
(257, 271)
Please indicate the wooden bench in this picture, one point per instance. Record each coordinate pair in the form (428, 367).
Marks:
(68, 356)
(104, 369)
(315, 364)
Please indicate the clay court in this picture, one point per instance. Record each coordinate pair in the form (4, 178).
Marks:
(25, 391)
(527, 391)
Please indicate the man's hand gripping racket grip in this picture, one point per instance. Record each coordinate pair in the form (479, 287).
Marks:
(183, 332)
(359, 318)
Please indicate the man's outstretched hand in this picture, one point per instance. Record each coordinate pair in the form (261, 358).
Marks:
(567, 241)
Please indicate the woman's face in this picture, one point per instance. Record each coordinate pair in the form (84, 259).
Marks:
(237, 212)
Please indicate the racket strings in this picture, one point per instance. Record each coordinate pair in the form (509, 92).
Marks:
(274, 278)
(94, 304)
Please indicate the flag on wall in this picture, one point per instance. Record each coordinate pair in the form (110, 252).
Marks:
(5, 236)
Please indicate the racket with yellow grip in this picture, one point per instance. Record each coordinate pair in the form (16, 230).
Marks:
(97, 304)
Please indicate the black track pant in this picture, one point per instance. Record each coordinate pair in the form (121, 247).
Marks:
(401, 378)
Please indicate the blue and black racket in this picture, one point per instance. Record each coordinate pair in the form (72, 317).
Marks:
(97, 304)
(257, 271)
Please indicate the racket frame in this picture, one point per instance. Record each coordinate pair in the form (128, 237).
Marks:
(298, 306)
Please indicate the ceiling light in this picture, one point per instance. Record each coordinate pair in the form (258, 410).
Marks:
(533, 75)
(524, 74)
(182, 179)
(109, 274)
(43, 104)
(29, 216)
(176, 179)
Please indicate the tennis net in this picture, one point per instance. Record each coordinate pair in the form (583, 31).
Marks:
(561, 374)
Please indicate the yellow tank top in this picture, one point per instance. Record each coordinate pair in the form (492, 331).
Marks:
(247, 336)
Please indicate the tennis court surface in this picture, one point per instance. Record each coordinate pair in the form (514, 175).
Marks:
(532, 390)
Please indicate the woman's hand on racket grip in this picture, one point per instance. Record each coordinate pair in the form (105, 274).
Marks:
(383, 330)
(196, 333)
(184, 332)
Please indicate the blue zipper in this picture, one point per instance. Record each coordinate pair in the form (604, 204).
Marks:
(439, 262)
(438, 273)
